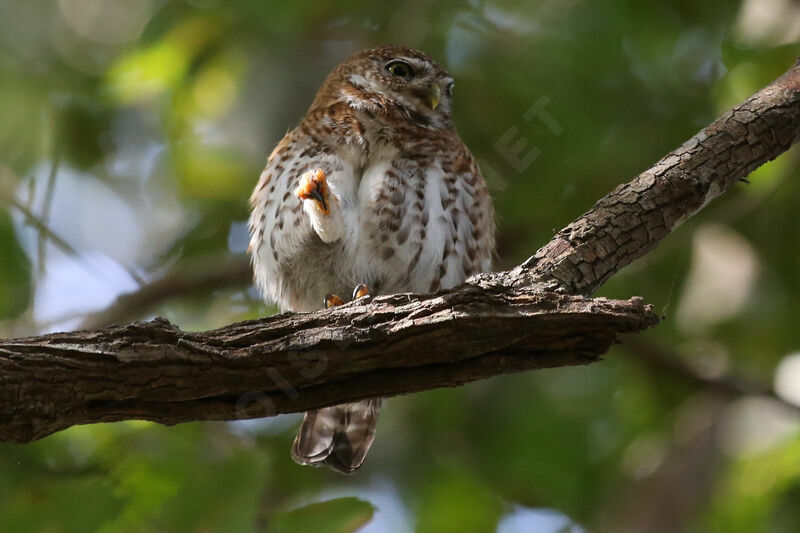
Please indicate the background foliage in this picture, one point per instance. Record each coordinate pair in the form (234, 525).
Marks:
(131, 134)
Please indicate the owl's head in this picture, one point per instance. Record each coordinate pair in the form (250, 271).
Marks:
(394, 80)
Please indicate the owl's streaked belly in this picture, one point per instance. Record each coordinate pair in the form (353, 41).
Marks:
(409, 224)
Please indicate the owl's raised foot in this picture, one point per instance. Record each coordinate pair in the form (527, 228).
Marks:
(321, 205)
(314, 188)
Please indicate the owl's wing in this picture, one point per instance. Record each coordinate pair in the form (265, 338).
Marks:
(282, 239)
(276, 219)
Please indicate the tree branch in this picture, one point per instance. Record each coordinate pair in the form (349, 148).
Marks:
(293, 362)
(533, 316)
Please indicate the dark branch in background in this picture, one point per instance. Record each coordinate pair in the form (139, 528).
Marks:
(661, 362)
(234, 273)
(536, 315)
(41, 241)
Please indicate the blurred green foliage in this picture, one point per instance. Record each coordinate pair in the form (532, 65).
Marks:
(15, 290)
(340, 515)
(160, 116)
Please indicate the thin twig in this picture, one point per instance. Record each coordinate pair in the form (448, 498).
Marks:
(47, 205)
(220, 275)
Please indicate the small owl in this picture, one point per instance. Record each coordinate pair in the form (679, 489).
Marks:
(372, 190)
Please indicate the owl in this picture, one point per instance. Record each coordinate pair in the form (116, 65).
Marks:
(373, 190)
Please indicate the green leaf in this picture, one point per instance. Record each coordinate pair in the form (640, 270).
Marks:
(341, 515)
(144, 74)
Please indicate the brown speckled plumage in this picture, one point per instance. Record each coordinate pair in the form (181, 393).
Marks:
(411, 212)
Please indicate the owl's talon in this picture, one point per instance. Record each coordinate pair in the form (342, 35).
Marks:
(360, 291)
(314, 186)
(332, 300)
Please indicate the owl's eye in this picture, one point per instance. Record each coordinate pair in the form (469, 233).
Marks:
(401, 69)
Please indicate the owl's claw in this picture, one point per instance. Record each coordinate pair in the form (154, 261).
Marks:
(360, 291)
(314, 186)
(332, 300)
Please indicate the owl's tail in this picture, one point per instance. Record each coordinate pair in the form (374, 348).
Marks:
(338, 436)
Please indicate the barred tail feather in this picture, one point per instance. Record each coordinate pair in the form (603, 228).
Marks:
(315, 438)
(338, 437)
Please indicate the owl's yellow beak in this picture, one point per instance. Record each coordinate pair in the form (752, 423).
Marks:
(435, 95)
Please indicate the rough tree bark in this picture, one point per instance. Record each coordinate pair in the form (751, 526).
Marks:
(535, 315)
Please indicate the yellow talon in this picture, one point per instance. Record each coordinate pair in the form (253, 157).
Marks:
(332, 300)
(360, 292)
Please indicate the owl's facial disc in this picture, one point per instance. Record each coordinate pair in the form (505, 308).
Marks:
(417, 86)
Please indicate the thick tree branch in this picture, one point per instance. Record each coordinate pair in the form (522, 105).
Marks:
(530, 317)
(293, 362)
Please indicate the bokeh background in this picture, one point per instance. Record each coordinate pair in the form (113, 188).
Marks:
(132, 132)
